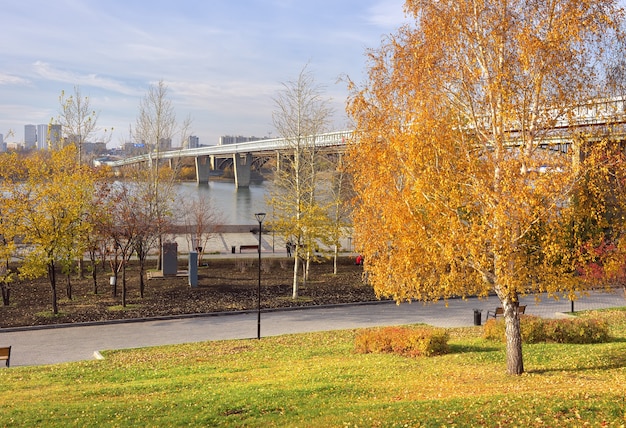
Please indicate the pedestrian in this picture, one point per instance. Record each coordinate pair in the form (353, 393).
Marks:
(288, 247)
(359, 260)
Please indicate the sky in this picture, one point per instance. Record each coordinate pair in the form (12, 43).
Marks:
(222, 61)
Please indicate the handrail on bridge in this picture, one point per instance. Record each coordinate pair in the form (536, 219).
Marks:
(328, 139)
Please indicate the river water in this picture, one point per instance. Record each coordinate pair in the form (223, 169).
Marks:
(235, 206)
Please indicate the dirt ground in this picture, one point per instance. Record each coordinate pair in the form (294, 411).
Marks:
(223, 285)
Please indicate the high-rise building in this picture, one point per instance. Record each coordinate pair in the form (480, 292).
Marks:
(30, 136)
(42, 137)
(193, 142)
(48, 136)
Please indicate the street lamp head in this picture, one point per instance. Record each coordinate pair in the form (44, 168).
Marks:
(260, 217)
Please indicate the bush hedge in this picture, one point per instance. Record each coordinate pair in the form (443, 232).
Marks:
(567, 330)
(407, 341)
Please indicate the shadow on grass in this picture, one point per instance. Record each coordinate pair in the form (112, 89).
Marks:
(613, 359)
(456, 348)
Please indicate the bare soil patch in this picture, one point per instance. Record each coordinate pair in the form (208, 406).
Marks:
(223, 285)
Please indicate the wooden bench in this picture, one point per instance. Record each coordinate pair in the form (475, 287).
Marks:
(248, 247)
(5, 354)
(500, 311)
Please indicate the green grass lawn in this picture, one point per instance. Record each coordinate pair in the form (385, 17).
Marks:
(317, 380)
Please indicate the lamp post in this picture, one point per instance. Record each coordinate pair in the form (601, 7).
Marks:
(259, 217)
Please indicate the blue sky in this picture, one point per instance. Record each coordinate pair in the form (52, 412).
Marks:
(222, 60)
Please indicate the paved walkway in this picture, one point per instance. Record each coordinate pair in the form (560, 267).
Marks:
(75, 343)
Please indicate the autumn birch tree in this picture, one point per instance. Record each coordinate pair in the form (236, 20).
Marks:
(301, 113)
(47, 195)
(340, 196)
(452, 130)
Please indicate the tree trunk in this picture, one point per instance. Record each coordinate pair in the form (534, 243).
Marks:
(159, 265)
(53, 286)
(6, 293)
(115, 267)
(94, 275)
(336, 256)
(514, 357)
(114, 290)
(142, 269)
(296, 262)
(124, 286)
(307, 266)
(68, 286)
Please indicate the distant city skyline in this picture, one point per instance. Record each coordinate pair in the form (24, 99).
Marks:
(222, 61)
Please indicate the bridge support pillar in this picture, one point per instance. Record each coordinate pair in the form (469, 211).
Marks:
(203, 168)
(241, 167)
(174, 164)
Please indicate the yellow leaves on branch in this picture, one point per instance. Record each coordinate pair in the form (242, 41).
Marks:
(46, 196)
(460, 190)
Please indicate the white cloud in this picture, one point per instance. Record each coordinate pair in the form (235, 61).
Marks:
(8, 79)
(48, 72)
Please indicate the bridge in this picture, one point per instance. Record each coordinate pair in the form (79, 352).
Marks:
(595, 114)
(241, 154)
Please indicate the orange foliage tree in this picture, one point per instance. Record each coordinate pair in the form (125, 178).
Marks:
(461, 190)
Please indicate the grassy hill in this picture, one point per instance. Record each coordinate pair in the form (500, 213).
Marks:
(318, 380)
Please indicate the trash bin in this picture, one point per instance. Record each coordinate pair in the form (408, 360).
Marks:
(477, 316)
(232, 249)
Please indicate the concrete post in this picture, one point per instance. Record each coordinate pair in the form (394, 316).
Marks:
(203, 168)
(242, 168)
(193, 269)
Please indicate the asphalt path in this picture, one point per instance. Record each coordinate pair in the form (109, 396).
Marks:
(60, 344)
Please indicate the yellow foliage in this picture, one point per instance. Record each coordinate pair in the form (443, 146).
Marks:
(462, 188)
(45, 198)
(449, 157)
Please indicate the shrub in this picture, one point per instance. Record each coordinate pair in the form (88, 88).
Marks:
(569, 330)
(577, 330)
(407, 341)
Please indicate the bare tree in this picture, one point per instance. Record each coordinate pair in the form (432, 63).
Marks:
(301, 113)
(200, 219)
(79, 122)
(156, 127)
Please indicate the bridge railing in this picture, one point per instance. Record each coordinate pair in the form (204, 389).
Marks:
(269, 145)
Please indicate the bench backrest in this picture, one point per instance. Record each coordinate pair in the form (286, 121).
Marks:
(520, 310)
(5, 352)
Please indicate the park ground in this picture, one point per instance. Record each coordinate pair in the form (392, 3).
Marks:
(224, 284)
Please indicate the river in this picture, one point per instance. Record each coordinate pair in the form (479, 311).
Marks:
(236, 206)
